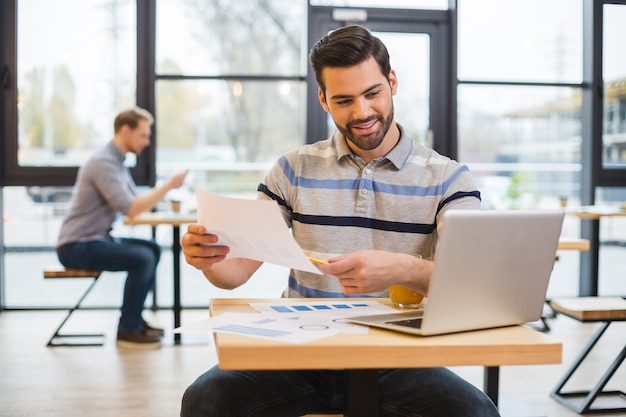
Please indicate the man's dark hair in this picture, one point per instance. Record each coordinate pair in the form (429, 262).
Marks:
(131, 118)
(346, 47)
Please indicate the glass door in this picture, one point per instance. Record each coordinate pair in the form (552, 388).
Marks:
(417, 48)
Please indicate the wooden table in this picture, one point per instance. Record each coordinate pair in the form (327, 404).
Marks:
(589, 262)
(581, 245)
(175, 220)
(361, 355)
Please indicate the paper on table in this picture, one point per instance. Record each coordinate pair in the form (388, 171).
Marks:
(264, 326)
(253, 229)
(292, 321)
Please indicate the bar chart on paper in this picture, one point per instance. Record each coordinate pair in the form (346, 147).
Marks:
(343, 307)
(299, 308)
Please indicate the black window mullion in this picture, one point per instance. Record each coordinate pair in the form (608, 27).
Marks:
(144, 173)
(603, 176)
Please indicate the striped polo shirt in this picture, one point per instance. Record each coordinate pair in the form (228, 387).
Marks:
(335, 203)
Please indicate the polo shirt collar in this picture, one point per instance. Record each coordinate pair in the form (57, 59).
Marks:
(398, 156)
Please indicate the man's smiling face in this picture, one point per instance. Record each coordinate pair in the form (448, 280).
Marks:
(359, 99)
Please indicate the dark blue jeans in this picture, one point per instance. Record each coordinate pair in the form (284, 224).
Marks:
(137, 256)
(424, 392)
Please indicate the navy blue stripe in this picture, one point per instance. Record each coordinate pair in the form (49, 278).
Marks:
(456, 196)
(352, 221)
(263, 189)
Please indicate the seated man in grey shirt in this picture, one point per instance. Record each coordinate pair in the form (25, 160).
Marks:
(104, 188)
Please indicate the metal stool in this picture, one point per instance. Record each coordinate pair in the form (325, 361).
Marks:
(61, 272)
(591, 309)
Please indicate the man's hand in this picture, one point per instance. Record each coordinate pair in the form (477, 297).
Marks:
(149, 199)
(368, 271)
(199, 250)
(177, 180)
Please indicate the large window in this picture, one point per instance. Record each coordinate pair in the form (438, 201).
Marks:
(519, 99)
(227, 82)
(230, 85)
(614, 77)
(73, 73)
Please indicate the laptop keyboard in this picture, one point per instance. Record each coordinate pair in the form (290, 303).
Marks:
(416, 323)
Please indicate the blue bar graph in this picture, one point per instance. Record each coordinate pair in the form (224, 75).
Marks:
(298, 308)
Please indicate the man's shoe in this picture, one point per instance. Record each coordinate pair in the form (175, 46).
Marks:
(137, 340)
(152, 331)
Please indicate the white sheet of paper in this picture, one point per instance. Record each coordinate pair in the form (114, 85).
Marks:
(263, 326)
(253, 229)
(292, 321)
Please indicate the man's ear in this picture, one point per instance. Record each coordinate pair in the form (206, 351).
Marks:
(322, 99)
(125, 130)
(393, 82)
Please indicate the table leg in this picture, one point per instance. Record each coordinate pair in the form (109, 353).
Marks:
(491, 382)
(176, 249)
(155, 304)
(361, 393)
(590, 261)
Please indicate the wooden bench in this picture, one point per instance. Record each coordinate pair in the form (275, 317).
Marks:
(57, 272)
(591, 309)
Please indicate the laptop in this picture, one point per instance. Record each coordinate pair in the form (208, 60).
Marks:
(492, 269)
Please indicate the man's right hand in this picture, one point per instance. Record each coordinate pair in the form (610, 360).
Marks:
(200, 248)
(177, 180)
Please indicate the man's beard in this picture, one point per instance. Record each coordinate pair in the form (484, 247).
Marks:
(370, 141)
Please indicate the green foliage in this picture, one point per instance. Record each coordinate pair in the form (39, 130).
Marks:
(32, 113)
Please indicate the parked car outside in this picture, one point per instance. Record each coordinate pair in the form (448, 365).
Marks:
(50, 194)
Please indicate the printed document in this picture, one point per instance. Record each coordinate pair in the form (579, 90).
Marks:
(292, 321)
(253, 229)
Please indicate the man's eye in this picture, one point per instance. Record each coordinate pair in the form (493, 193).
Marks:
(343, 102)
(373, 94)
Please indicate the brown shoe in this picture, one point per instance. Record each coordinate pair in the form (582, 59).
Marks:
(152, 331)
(137, 340)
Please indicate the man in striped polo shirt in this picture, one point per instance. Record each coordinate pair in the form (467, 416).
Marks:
(369, 200)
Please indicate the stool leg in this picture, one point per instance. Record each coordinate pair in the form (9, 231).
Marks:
(57, 332)
(581, 356)
(589, 396)
(586, 404)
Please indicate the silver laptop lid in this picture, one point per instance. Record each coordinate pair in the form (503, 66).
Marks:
(492, 269)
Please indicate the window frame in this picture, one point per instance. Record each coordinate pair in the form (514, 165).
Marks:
(11, 173)
(601, 175)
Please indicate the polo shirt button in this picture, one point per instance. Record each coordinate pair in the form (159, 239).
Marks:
(364, 191)
(368, 171)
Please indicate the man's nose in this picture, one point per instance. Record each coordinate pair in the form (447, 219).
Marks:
(360, 109)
